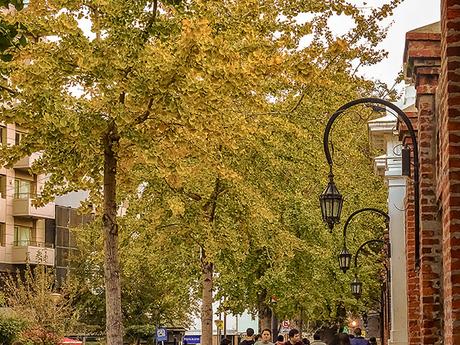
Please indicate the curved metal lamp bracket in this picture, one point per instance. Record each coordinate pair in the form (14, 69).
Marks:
(350, 218)
(404, 118)
(362, 246)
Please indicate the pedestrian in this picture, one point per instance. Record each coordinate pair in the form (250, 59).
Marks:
(340, 339)
(225, 341)
(279, 340)
(358, 339)
(372, 341)
(265, 338)
(305, 341)
(249, 337)
(294, 337)
(317, 339)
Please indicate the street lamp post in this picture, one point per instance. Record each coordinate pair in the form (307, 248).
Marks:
(356, 284)
(331, 200)
(345, 256)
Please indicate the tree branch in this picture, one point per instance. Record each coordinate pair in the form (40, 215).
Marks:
(151, 21)
(146, 114)
(6, 88)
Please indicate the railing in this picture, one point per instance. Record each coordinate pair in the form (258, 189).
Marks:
(25, 196)
(26, 243)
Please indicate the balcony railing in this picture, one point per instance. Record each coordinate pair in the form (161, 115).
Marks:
(26, 243)
(23, 207)
(26, 162)
(32, 252)
(25, 195)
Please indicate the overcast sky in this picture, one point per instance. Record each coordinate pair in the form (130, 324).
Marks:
(411, 14)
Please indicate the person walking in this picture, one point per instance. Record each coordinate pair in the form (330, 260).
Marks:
(358, 339)
(340, 339)
(317, 339)
(265, 338)
(279, 340)
(226, 341)
(372, 341)
(294, 337)
(249, 337)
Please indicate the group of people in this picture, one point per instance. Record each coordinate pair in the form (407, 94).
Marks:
(294, 338)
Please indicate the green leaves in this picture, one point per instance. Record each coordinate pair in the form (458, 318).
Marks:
(220, 115)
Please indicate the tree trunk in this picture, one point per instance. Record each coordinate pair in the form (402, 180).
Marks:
(207, 270)
(265, 313)
(206, 304)
(114, 322)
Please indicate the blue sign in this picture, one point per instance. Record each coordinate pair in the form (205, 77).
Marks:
(162, 334)
(192, 339)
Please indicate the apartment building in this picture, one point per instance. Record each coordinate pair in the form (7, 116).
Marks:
(23, 235)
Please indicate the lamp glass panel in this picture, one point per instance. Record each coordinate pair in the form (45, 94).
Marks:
(356, 287)
(323, 207)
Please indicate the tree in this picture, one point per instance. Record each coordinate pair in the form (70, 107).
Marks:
(181, 89)
(157, 278)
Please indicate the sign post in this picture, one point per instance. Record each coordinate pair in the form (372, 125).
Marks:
(162, 335)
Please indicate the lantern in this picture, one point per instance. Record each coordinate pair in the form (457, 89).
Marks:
(356, 287)
(331, 204)
(344, 260)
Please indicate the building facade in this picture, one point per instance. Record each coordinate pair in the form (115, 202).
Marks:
(432, 65)
(384, 136)
(65, 244)
(23, 235)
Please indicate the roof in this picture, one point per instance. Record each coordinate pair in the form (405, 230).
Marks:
(422, 43)
(410, 109)
(433, 28)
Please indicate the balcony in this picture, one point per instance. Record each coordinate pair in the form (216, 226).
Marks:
(32, 252)
(26, 162)
(22, 207)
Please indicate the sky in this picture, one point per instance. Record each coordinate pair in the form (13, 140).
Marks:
(411, 14)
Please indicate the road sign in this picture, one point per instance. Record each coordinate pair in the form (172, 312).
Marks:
(219, 324)
(193, 339)
(162, 334)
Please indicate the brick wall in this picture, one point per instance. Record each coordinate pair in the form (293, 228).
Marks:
(422, 60)
(430, 228)
(449, 166)
(413, 296)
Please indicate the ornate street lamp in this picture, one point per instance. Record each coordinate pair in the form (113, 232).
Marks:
(331, 203)
(356, 287)
(331, 214)
(345, 262)
(356, 284)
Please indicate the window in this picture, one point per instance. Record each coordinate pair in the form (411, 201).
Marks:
(22, 235)
(3, 135)
(3, 186)
(2, 234)
(23, 189)
(18, 137)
